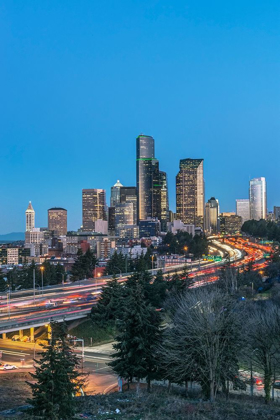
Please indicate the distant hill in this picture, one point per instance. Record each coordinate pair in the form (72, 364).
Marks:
(11, 237)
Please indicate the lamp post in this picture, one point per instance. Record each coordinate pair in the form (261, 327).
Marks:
(119, 271)
(42, 277)
(8, 301)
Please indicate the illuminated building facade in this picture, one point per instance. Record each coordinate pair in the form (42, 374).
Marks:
(129, 195)
(257, 193)
(115, 194)
(123, 214)
(94, 207)
(57, 221)
(190, 192)
(212, 215)
(147, 176)
(29, 218)
(230, 223)
(164, 201)
(243, 209)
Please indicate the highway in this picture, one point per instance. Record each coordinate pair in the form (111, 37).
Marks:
(72, 301)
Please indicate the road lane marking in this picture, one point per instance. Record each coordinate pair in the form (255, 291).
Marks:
(14, 353)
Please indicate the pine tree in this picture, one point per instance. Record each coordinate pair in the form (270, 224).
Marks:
(158, 290)
(138, 336)
(108, 306)
(57, 378)
(3, 283)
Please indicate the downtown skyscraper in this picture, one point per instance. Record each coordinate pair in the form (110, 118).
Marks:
(190, 192)
(147, 178)
(257, 196)
(94, 207)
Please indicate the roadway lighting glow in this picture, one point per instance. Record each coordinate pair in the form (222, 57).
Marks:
(98, 274)
(42, 268)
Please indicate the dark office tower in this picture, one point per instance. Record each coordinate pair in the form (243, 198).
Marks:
(147, 176)
(190, 192)
(164, 202)
(111, 220)
(57, 221)
(94, 207)
(129, 195)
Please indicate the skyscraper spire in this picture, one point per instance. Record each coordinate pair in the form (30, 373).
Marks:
(29, 218)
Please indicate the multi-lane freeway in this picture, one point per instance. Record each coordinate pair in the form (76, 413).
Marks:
(24, 309)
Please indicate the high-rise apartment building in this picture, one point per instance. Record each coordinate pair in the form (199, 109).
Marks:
(243, 209)
(57, 221)
(190, 192)
(94, 207)
(29, 218)
(257, 194)
(164, 201)
(147, 176)
(212, 215)
(129, 195)
(115, 194)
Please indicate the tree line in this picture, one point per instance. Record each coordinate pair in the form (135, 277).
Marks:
(184, 243)
(119, 263)
(200, 334)
(262, 229)
(22, 277)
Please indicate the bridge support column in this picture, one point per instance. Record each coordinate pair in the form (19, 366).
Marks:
(20, 333)
(4, 336)
(32, 334)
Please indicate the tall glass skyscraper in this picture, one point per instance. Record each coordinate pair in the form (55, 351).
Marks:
(212, 211)
(147, 178)
(164, 201)
(190, 192)
(257, 194)
(115, 194)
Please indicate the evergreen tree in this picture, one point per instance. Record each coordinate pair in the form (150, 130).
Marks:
(59, 273)
(84, 265)
(3, 283)
(138, 336)
(57, 380)
(108, 306)
(158, 290)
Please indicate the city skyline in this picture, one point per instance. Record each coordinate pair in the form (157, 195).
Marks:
(110, 189)
(113, 192)
(203, 81)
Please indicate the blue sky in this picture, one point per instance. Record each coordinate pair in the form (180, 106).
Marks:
(79, 80)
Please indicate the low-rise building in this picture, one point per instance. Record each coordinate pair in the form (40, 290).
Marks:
(177, 225)
(230, 223)
(149, 227)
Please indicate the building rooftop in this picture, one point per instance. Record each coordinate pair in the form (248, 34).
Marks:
(57, 208)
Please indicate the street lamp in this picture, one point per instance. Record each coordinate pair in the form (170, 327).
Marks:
(152, 256)
(119, 271)
(42, 276)
(8, 301)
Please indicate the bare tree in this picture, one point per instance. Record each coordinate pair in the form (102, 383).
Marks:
(262, 331)
(202, 340)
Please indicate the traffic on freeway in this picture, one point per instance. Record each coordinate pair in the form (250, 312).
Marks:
(76, 300)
